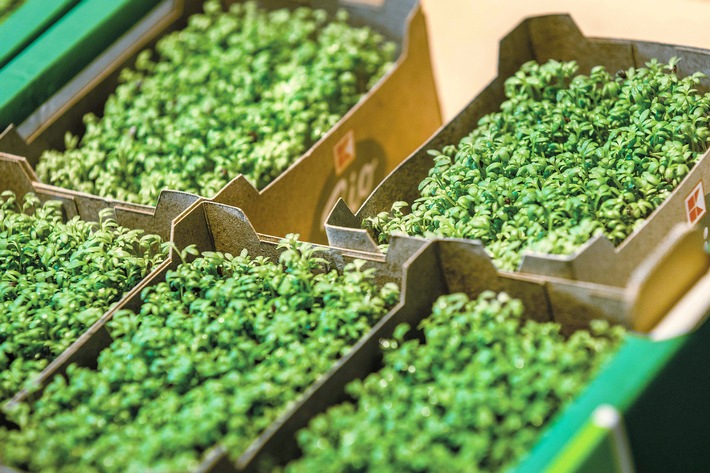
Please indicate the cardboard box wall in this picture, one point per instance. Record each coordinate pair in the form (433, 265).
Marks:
(659, 383)
(17, 176)
(543, 38)
(390, 122)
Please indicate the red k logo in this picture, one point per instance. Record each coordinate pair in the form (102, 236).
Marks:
(695, 204)
(344, 152)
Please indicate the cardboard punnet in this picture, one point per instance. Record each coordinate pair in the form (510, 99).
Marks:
(17, 177)
(211, 227)
(391, 121)
(628, 379)
(543, 38)
(63, 49)
(425, 270)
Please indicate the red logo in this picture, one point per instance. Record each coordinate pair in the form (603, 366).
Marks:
(344, 152)
(695, 204)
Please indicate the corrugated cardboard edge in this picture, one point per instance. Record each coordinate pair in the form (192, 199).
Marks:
(542, 38)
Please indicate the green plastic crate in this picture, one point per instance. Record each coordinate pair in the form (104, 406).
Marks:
(26, 23)
(601, 445)
(662, 390)
(61, 51)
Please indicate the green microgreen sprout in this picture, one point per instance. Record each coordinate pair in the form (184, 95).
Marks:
(243, 91)
(566, 157)
(217, 351)
(475, 395)
(57, 278)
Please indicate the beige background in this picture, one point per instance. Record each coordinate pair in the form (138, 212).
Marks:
(464, 34)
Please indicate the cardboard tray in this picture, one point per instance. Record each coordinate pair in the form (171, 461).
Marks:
(27, 22)
(543, 38)
(425, 270)
(38, 71)
(639, 375)
(16, 176)
(390, 122)
(211, 227)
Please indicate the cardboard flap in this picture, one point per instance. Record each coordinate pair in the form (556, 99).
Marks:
(341, 216)
(558, 37)
(230, 229)
(46, 193)
(692, 59)
(173, 202)
(402, 249)
(90, 206)
(238, 190)
(343, 230)
(156, 220)
(551, 36)
(16, 174)
(574, 304)
(467, 267)
(663, 279)
(595, 262)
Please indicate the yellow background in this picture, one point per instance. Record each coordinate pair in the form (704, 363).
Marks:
(464, 34)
